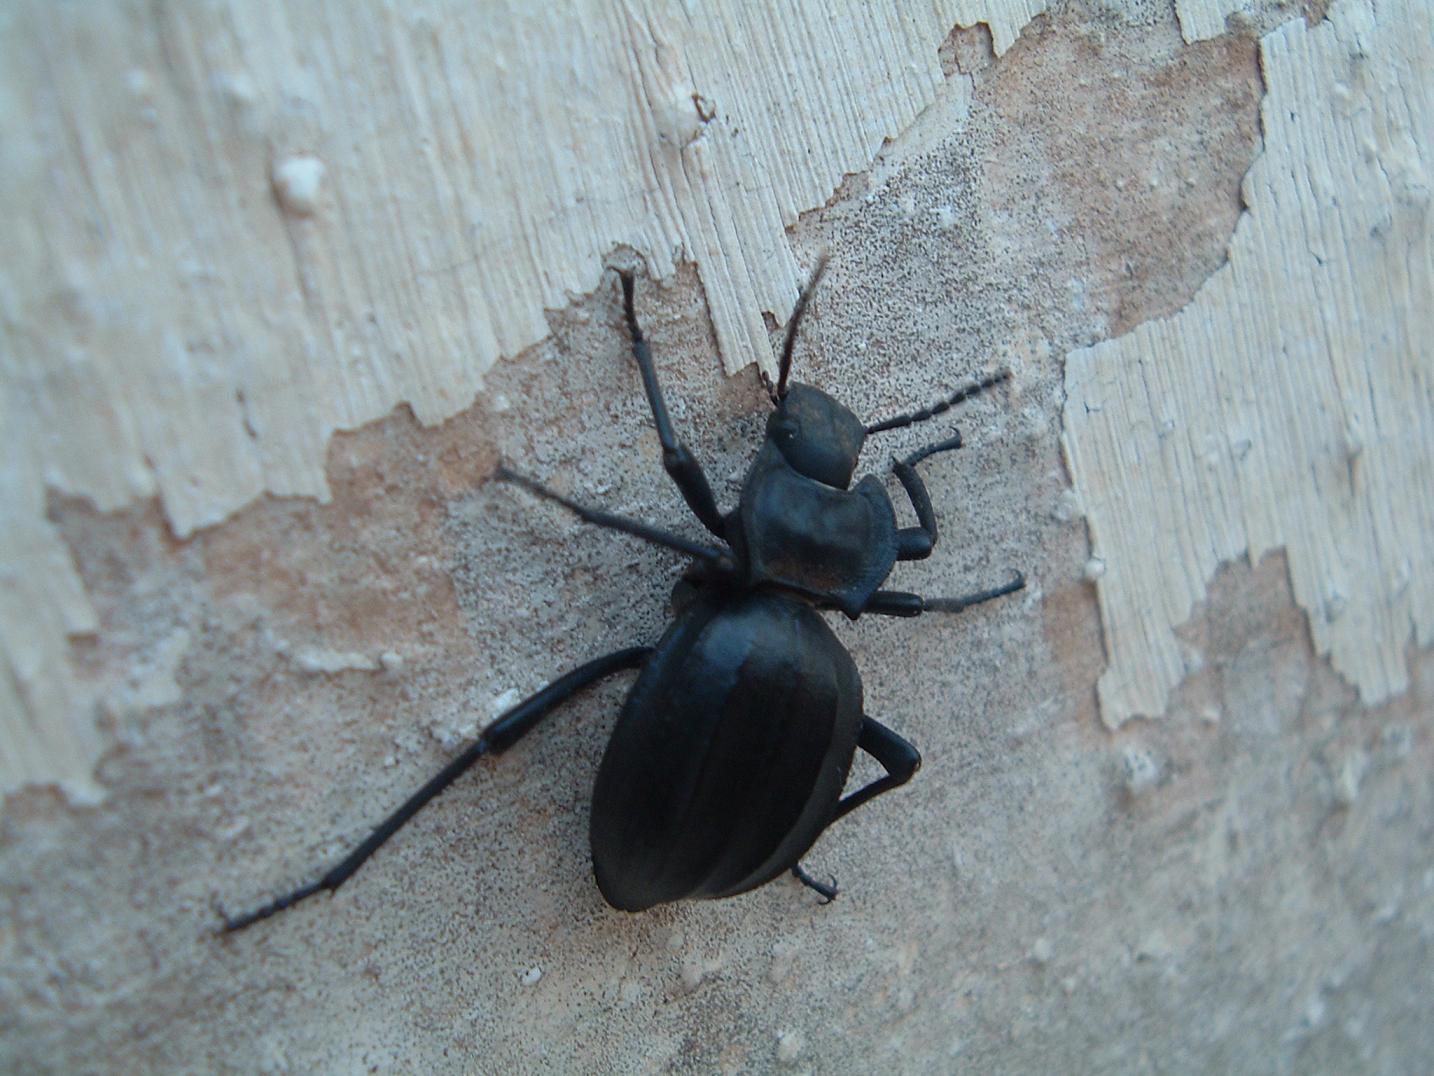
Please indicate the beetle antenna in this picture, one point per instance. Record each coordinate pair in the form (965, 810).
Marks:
(959, 396)
(791, 338)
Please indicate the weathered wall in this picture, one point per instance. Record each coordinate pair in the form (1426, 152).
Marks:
(245, 636)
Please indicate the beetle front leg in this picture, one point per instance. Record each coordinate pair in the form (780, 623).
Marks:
(678, 460)
(916, 543)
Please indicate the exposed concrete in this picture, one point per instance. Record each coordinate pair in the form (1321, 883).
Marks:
(1244, 886)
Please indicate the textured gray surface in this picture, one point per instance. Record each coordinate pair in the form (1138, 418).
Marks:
(1244, 886)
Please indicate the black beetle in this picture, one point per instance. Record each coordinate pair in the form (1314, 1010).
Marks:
(733, 747)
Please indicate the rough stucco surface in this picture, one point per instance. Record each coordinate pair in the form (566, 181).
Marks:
(1244, 886)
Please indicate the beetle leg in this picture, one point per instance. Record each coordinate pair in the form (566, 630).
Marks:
(827, 889)
(494, 740)
(916, 543)
(900, 603)
(680, 463)
(613, 521)
(897, 756)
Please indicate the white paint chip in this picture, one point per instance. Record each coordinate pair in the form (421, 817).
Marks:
(319, 661)
(297, 182)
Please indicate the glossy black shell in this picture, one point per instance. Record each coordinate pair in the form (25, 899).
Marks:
(730, 754)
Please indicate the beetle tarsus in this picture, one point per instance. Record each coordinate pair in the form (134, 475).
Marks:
(828, 891)
(957, 605)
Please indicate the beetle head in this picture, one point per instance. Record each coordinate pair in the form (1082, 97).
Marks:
(816, 435)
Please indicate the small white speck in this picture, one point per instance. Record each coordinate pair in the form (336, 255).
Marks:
(1351, 773)
(231, 829)
(314, 661)
(1141, 770)
(790, 1045)
(236, 87)
(390, 661)
(501, 403)
(296, 183)
(504, 702)
(1068, 507)
(1155, 947)
(679, 119)
(692, 975)
(1403, 574)
(1041, 951)
(531, 976)
(138, 82)
(1094, 569)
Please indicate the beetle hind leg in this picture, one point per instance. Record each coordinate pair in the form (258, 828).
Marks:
(494, 740)
(897, 755)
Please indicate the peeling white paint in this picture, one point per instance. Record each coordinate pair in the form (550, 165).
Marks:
(180, 316)
(1318, 325)
(1201, 20)
(1004, 20)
